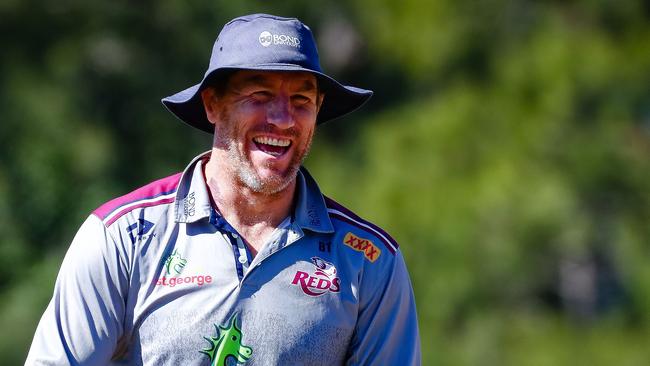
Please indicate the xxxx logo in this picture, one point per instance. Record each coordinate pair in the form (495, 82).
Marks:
(369, 250)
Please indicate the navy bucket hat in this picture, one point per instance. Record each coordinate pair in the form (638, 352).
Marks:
(270, 43)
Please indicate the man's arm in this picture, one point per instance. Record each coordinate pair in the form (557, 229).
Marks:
(84, 318)
(387, 327)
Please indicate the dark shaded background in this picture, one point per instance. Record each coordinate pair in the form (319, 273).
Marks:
(506, 148)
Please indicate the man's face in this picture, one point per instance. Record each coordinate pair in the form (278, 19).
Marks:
(264, 122)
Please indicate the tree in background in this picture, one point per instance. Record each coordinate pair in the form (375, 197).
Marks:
(507, 149)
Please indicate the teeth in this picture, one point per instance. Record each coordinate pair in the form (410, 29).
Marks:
(272, 141)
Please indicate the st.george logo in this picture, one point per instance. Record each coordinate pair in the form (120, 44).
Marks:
(227, 344)
(320, 281)
(174, 264)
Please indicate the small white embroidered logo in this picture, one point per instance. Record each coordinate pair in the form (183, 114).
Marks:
(267, 38)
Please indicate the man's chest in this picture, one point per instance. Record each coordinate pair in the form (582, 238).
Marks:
(297, 305)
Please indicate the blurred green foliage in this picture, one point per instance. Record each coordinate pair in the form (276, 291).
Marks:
(507, 149)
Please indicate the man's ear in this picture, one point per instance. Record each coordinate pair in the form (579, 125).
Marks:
(319, 101)
(209, 98)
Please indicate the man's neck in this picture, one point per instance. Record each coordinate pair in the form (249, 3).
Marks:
(254, 215)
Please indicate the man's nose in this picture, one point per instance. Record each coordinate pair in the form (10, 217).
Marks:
(279, 112)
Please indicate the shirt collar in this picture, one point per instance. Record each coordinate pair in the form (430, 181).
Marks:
(193, 201)
(310, 211)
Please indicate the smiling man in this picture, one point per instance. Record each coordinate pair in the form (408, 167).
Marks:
(239, 259)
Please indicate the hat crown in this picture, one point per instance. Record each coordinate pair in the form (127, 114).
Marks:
(262, 39)
(266, 43)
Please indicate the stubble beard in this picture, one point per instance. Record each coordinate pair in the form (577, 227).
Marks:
(241, 166)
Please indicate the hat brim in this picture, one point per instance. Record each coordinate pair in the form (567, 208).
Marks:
(339, 99)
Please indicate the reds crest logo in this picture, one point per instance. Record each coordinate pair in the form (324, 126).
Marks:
(322, 280)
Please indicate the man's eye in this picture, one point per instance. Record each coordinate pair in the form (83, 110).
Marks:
(300, 99)
(262, 95)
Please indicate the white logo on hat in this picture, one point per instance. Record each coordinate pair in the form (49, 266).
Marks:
(266, 38)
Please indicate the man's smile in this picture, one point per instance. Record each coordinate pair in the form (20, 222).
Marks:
(272, 145)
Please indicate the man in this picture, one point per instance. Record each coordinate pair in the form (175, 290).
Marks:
(239, 259)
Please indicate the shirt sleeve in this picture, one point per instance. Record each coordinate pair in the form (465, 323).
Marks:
(387, 328)
(84, 319)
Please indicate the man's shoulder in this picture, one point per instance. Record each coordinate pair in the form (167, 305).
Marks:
(360, 234)
(159, 192)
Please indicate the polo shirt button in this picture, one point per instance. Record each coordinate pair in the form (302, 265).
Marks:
(234, 235)
(242, 260)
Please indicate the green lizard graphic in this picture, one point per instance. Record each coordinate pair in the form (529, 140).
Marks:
(226, 344)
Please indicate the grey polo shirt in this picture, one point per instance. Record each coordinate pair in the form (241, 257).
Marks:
(158, 277)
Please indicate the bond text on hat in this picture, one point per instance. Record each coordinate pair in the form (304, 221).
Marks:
(267, 38)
